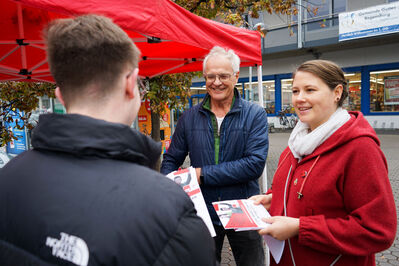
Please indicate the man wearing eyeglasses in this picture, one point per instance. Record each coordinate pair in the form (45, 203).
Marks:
(226, 139)
(85, 194)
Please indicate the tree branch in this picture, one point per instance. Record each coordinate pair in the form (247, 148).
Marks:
(197, 5)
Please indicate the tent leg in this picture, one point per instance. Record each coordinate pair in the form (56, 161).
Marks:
(250, 84)
(22, 36)
(264, 174)
(261, 103)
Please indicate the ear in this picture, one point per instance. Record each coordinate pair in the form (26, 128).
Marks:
(338, 91)
(237, 75)
(131, 84)
(58, 94)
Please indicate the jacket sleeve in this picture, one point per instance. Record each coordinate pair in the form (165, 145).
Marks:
(178, 149)
(370, 225)
(190, 245)
(251, 165)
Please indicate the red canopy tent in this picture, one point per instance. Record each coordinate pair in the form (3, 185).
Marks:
(170, 38)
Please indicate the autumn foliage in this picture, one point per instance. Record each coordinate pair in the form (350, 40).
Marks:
(21, 96)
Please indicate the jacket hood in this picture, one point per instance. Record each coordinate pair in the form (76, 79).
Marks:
(356, 127)
(84, 136)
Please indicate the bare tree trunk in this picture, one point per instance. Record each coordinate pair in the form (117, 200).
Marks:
(156, 134)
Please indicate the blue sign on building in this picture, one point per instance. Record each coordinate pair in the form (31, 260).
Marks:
(20, 145)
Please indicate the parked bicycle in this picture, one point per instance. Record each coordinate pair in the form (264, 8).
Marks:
(271, 127)
(287, 121)
(293, 120)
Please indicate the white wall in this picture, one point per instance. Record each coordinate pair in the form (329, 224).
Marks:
(365, 56)
(353, 5)
(377, 122)
(384, 122)
(346, 58)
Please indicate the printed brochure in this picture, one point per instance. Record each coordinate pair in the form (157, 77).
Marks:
(241, 215)
(187, 179)
(244, 215)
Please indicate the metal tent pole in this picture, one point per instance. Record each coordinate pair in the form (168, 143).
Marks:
(250, 83)
(264, 174)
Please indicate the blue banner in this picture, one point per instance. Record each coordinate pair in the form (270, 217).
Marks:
(20, 145)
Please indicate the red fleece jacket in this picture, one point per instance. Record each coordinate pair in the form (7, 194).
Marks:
(347, 207)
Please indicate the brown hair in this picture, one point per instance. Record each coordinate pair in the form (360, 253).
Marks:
(88, 50)
(329, 72)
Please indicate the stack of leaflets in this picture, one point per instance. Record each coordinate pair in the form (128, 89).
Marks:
(244, 215)
(187, 179)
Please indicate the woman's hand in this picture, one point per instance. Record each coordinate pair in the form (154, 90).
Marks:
(281, 227)
(265, 200)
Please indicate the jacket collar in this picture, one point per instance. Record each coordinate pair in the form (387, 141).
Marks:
(236, 105)
(356, 127)
(84, 136)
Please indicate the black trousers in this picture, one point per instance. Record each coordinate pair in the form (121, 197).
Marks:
(247, 246)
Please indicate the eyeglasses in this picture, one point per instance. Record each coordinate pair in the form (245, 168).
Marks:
(222, 77)
(142, 87)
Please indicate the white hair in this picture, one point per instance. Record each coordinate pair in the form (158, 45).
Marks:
(229, 54)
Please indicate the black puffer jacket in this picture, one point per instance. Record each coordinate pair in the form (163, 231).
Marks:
(85, 196)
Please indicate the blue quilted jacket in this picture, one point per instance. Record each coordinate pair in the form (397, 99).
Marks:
(242, 154)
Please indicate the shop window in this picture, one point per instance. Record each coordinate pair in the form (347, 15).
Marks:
(384, 91)
(268, 94)
(352, 103)
(239, 88)
(251, 91)
(196, 100)
(198, 90)
(286, 95)
(194, 92)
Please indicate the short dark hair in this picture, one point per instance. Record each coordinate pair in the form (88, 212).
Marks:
(87, 50)
(329, 72)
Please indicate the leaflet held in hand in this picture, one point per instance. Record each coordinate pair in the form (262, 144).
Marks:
(244, 215)
(187, 179)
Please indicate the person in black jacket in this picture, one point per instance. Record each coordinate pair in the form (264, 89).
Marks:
(85, 194)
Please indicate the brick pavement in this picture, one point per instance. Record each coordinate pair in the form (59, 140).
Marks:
(390, 147)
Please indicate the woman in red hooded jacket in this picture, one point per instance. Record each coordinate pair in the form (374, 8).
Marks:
(331, 198)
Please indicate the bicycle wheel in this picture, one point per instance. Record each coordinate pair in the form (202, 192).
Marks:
(292, 123)
(281, 119)
(271, 128)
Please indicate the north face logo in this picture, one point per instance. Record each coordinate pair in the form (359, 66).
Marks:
(70, 248)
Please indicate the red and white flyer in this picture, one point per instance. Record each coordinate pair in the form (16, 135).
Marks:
(241, 215)
(244, 215)
(187, 179)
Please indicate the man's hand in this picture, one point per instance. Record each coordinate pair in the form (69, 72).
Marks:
(281, 227)
(265, 200)
(198, 173)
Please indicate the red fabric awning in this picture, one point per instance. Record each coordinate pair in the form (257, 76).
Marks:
(170, 38)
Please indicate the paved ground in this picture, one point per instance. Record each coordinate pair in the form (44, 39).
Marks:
(390, 147)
